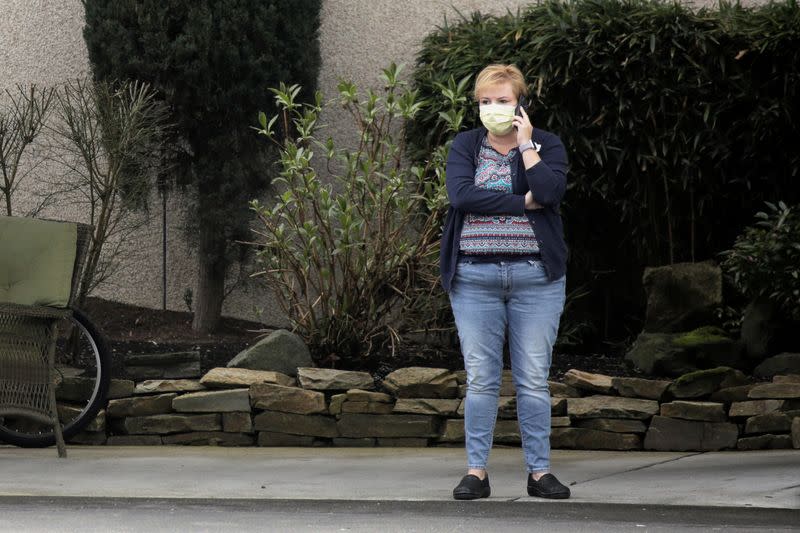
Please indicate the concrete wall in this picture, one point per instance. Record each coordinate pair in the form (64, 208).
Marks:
(41, 41)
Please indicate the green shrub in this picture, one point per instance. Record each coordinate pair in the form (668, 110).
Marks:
(765, 259)
(352, 256)
(675, 120)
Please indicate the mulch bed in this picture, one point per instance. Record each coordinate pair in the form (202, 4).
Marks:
(133, 330)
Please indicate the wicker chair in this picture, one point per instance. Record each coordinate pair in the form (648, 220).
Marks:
(28, 318)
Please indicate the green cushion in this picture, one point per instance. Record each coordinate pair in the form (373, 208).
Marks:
(37, 258)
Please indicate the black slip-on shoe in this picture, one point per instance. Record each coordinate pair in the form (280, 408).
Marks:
(547, 487)
(472, 487)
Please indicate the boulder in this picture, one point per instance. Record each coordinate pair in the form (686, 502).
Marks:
(655, 354)
(561, 390)
(421, 382)
(335, 407)
(775, 391)
(429, 406)
(681, 296)
(705, 382)
(649, 389)
(235, 378)
(588, 381)
(360, 425)
(732, 394)
(141, 406)
(237, 422)
(294, 424)
(768, 423)
(209, 438)
(783, 363)
(331, 379)
(709, 347)
(765, 442)
(268, 438)
(281, 351)
(754, 407)
(287, 399)
(155, 386)
(611, 407)
(175, 423)
(592, 439)
(673, 434)
(705, 411)
(213, 401)
(614, 425)
(120, 388)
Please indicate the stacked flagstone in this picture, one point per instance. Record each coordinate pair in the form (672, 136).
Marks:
(705, 410)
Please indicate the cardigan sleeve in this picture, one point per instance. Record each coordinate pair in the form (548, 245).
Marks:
(461, 189)
(548, 178)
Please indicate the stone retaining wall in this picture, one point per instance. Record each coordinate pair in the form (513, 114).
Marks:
(708, 410)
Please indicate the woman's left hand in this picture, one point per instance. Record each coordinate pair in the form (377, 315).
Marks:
(524, 127)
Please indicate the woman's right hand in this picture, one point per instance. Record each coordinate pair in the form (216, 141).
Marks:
(530, 203)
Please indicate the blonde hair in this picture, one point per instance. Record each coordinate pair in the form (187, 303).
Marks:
(494, 74)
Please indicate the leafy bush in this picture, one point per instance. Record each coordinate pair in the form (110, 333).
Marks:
(765, 259)
(675, 121)
(352, 256)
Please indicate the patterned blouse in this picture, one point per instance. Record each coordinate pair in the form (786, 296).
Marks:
(489, 235)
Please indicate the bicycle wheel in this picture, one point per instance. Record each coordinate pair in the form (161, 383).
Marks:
(83, 362)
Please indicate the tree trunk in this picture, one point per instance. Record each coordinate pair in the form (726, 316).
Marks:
(210, 282)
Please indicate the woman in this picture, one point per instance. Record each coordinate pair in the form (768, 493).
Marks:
(503, 263)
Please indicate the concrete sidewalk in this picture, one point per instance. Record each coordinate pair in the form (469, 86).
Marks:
(765, 479)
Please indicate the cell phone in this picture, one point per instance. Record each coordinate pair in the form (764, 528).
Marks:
(521, 103)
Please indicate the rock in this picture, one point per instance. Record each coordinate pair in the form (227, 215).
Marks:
(342, 442)
(705, 382)
(370, 408)
(142, 406)
(775, 391)
(421, 382)
(681, 296)
(337, 400)
(235, 378)
(463, 405)
(765, 442)
(120, 388)
(649, 389)
(237, 422)
(154, 386)
(403, 442)
(783, 363)
(655, 354)
(209, 438)
(755, 407)
(587, 381)
(358, 395)
(309, 425)
(507, 432)
(615, 425)
(732, 394)
(134, 440)
(673, 434)
(706, 411)
(68, 412)
(796, 432)
(163, 365)
(507, 387)
(709, 346)
(423, 406)
(563, 421)
(462, 391)
(213, 401)
(88, 438)
(506, 407)
(287, 399)
(358, 425)
(461, 376)
(331, 379)
(558, 406)
(267, 438)
(165, 424)
(611, 407)
(791, 378)
(768, 423)
(452, 430)
(282, 351)
(561, 390)
(592, 439)
(75, 389)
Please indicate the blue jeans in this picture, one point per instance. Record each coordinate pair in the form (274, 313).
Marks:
(487, 300)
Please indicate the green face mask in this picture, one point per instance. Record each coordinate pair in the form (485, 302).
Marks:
(497, 118)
